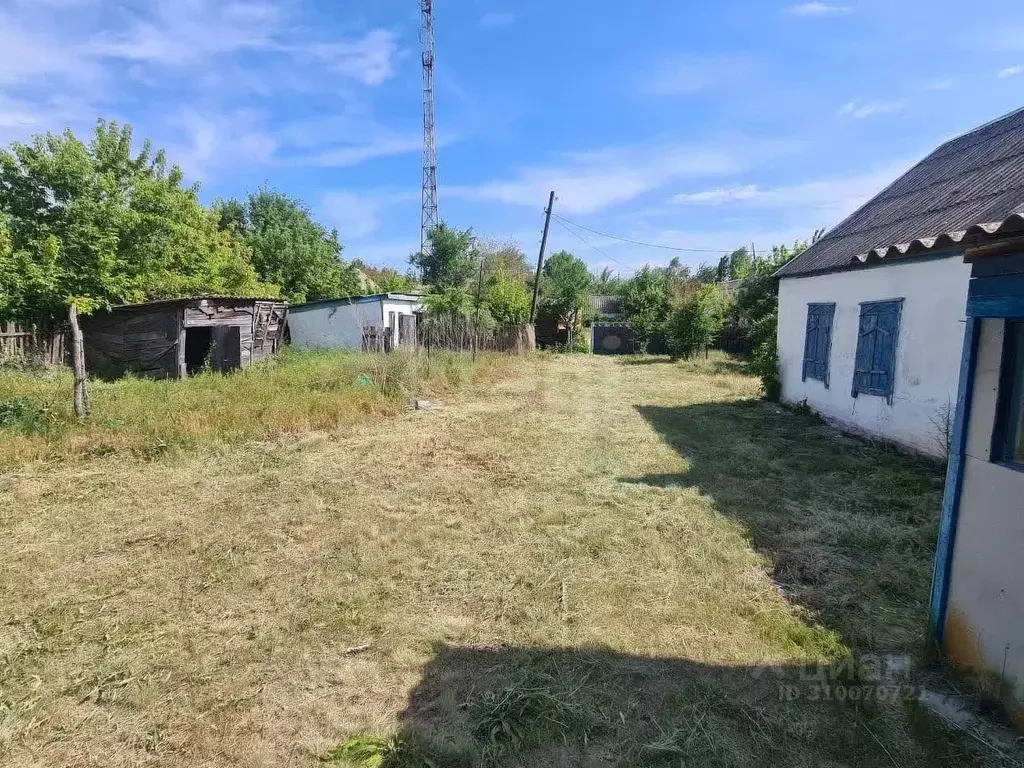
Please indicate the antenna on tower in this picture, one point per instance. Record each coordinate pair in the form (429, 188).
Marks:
(428, 218)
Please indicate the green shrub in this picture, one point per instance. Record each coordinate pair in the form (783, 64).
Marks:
(24, 416)
(696, 320)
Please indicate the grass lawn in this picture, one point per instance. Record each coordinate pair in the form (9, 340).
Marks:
(583, 561)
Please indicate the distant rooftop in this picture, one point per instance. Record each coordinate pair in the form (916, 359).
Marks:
(971, 185)
(412, 297)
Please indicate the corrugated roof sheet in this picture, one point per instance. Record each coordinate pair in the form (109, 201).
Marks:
(605, 304)
(973, 184)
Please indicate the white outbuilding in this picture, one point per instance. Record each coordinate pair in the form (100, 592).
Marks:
(872, 315)
(356, 322)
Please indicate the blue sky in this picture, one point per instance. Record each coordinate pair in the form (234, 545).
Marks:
(696, 125)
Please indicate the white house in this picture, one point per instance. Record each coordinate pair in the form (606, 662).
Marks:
(346, 323)
(872, 316)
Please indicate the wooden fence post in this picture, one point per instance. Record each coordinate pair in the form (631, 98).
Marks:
(82, 405)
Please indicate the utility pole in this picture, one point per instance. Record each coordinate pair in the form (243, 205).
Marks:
(540, 258)
(479, 290)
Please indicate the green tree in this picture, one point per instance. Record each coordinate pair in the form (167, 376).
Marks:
(508, 300)
(505, 260)
(739, 264)
(386, 279)
(289, 247)
(451, 260)
(101, 224)
(757, 307)
(645, 304)
(696, 320)
(565, 287)
(707, 273)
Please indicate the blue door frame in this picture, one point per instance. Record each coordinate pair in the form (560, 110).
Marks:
(996, 291)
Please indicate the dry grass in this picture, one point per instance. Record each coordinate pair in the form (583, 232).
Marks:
(550, 571)
(294, 393)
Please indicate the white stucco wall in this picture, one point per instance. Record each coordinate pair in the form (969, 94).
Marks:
(985, 616)
(399, 308)
(928, 351)
(333, 326)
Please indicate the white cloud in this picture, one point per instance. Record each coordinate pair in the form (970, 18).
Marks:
(186, 32)
(832, 199)
(1011, 71)
(591, 181)
(719, 196)
(819, 9)
(497, 20)
(368, 60)
(861, 109)
(357, 214)
(353, 214)
(940, 85)
(28, 54)
(219, 140)
(692, 75)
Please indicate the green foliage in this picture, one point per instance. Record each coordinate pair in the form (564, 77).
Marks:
(757, 305)
(606, 282)
(505, 260)
(102, 224)
(450, 303)
(289, 248)
(696, 320)
(24, 415)
(645, 304)
(369, 751)
(386, 279)
(451, 261)
(508, 300)
(565, 287)
(739, 264)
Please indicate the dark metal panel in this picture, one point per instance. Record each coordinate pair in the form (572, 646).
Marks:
(613, 339)
(995, 266)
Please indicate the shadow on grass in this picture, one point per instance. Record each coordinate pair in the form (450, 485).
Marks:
(848, 526)
(565, 707)
(646, 360)
(849, 531)
(716, 365)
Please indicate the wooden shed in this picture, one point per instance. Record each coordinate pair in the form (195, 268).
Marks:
(178, 337)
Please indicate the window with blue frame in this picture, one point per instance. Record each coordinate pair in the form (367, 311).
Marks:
(1009, 433)
(818, 341)
(874, 370)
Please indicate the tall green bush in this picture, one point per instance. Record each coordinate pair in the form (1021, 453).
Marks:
(696, 320)
(645, 304)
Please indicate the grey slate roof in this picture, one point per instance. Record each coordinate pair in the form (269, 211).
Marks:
(605, 305)
(973, 184)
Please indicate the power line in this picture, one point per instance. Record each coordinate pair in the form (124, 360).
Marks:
(587, 242)
(563, 220)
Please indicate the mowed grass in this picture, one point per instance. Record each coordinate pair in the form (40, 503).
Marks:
(583, 561)
(293, 393)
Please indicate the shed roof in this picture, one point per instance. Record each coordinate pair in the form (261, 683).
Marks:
(410, 297)
(971, 185)
(605, 304)
(190, 299)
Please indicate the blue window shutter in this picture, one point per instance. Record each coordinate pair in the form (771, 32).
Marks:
(818, 341)
(874, 371)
